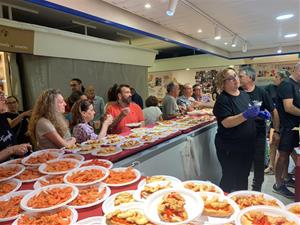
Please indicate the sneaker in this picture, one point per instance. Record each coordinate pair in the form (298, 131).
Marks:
(290, 183)
(284, 191)
(269, 171)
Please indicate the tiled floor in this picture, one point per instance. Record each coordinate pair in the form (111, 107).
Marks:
(268, 187)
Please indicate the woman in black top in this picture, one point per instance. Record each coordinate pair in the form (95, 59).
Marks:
(236, 131)
(7, 139)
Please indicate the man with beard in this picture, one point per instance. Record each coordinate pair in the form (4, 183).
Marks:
(124, 111)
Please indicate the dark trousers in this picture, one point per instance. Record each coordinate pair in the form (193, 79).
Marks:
(235, 169)
(259, 161)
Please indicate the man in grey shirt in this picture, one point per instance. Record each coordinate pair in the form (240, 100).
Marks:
(169, 106)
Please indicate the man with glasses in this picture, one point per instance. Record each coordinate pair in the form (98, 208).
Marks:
(247, 77)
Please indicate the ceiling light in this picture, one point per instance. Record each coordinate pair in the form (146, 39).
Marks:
(234, 41)
(217, 33)
(290, 35)
(284, 17)
(279, 51)
(187, 69)
(225, 43)
(199, 31)
(245, 47)
(171, 7)
(147, 6)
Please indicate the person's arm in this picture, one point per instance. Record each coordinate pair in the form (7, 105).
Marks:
(233, 121)
(290, 108)
(19, 118)
(105, 126)
(116, 121)
(57, 140)
(19, 150)
(275, 120)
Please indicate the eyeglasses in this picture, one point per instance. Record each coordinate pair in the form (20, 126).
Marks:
(231, 78)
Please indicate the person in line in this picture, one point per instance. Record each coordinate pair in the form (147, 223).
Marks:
(247, 76)
(8, 147)
(47, 126)
(280, 76)
(18, 120)
(170, 108)
(288, 106)
(236, 132)
(186, 101)
(124, 111)
(76, 85)
(203, 101)
(136, 98)
(83, 112)
(152, 112)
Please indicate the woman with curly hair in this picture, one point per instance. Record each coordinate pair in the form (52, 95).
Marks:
(48, 127)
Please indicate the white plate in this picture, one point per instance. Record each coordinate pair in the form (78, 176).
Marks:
(266, 196)
(133, 125)
(36, 192)
(99, 168)
(105, 196)
(140, 143)
(17, 183)
(35, 154)
(108, 140)
(168, 123)
(96, 220)
(207, 220)
(29, 180)
(96, 152)
(109, 204)
(101, 141)
(135, 205)
(268, 210)
(44, 165)
(291, 205)
(219, 190)
(170, 184)
(193, 205)
(110, 164)
(167, 178)
(137, 173)
(74, 215)
(78, 157)
(196, 113)
(55, 150)
(8, 197)
(37, 184)
(12, 161)
(140, 130)
(154, 138)
(21, 168)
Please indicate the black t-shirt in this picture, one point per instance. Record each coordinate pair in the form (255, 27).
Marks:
(238, 138)
(6, 135)
(259, 94)
(288, 89)
(272, 91)
(19, 130)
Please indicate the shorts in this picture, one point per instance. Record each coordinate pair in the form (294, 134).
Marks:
(289, 139)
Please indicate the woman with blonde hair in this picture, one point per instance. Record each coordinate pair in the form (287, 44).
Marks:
(236, 131)
(48, 127)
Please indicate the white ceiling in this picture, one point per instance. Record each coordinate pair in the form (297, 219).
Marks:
(252, 20)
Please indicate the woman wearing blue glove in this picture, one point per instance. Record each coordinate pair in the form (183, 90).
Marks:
(236, 131)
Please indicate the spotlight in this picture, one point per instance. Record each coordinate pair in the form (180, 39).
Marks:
(245, 47)
(234, 41)
(171, 7)
(217, 33)
(279, 51)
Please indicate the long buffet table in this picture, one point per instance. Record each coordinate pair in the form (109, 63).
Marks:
(186, 154)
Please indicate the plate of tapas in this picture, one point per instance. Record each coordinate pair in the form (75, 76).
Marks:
(158, 178)
(87, 175)
(10, 205)
(9, 186)
(202, 186)
(90, 196)
(30, 174)
(131, 144)
(49, 180)
(39, 157)
(107, 151)
(78, 157)
(49, 197)
(63, 215)
(294, 208)
(173, 206)
(9, 171)
(59, 166)
(122, 176)
(266, 215)
(97, 162)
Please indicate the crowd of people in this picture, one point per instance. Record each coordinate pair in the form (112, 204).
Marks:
(242, 109)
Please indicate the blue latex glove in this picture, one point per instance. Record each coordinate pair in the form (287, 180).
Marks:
(251, 112)
(264, 115)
